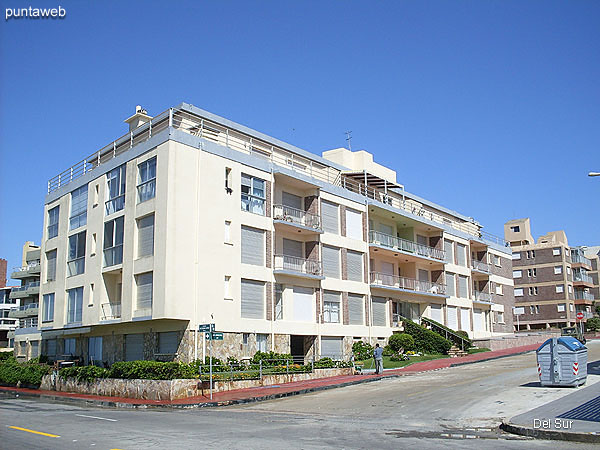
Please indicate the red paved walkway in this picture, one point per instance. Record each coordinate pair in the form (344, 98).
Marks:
(266, 392)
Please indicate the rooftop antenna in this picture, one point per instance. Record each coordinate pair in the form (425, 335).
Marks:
(349, 139)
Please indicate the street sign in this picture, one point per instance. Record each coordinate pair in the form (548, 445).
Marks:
(518, 310)
(213, 336)
(579, 315)
(206, 327)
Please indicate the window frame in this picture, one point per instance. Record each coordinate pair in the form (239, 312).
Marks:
(78, 216)
(76, 255)
(114, 245)
(116, 203)
(53, 218)
(146, 188)
(252, 197)
(48, 307)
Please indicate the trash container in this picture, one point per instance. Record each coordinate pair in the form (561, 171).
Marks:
(562, 362)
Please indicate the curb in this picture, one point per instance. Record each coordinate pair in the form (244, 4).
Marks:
(490, 359)
(589, 438)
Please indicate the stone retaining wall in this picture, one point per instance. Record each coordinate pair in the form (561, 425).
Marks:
(173, 389)
(510, 341)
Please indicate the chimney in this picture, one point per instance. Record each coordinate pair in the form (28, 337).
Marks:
(139, 118)
(3, 265)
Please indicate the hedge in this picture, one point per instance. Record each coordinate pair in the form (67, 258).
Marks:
(426, 341)
(15, 373)
(401, 341)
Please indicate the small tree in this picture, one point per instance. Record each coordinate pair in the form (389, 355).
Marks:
(401, 342)
(593, 324)
(597, 307)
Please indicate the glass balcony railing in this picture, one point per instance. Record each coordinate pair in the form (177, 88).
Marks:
(578, 276)
(579, 295)
(576, 258)
(480, 296)
(111, 311)
(404, 245)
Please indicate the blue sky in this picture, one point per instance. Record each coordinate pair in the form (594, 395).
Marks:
(490, 108)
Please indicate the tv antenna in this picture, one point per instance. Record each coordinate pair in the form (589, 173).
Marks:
(349, 139)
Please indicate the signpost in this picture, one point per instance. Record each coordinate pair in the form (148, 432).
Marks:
(517, 311)
(579, 317)
(209, 335)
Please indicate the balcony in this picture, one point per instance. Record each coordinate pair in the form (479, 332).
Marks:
(393, 282)
(111, 311)
(30, 309)
(580, 259)
(582, 278)
(405, 246)
(480, 266)
(291, 265)
(580, 295)
(31, 322)
(482, 297)
(28, 290)
(297, 218)
(29, 270)
(7, 324)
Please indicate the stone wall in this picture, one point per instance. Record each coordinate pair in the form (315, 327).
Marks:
(510, 341)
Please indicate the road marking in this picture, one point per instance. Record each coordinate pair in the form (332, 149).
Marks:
(34, 432)
(94, 417)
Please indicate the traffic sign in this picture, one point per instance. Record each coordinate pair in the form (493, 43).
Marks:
(213, 336)
(206, 327)
(579, 315)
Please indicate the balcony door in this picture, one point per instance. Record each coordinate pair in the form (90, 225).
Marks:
(293, 248)
(291, 200)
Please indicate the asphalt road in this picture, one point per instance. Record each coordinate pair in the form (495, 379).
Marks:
(460, 407)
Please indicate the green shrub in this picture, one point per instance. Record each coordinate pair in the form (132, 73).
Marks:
(29, 374)
(5, 355)
(426, 341)
(328, 363)
(362, 350)
(151, 370)
(403, 341)
(84, 373)
(593, 324)
(271, 358)
(452, 338)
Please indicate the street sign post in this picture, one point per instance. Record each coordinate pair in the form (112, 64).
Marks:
(579, 315)
(517, 311)
(208, 330)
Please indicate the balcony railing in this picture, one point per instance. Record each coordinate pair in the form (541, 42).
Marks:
(297, 216)
(480, 296)
(575, 258)
(28, 323)
(33, 267)
(579, 295)
(480, 265)
(111, 311)
(382, 279)
(113, 255)
(299, 265)
(396, 243)
(577, 276)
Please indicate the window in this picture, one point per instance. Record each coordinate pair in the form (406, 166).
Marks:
(355, 265)
(253, 194)
(556, 251)
(75, 305)
(557, 270)
(331, 261)
(79, 198)
(261, 342)
(354, 224)
(515, 229)
(356, 307)
(113, 242)
(144, 283)
(530, 254)
(571, 307)
(330, 216)
(48, 308)
(331, 307)
(227, 288)
(253, 299)
(115, 182)
(450, 284)
(70, 346)
(497, 261)
(76, 260)
(532, 273)
(146, 236)
(516, 255)
(531, 309)
(519, 292)
(568, 270)
(517, 273)
(570, 289)
(227, 238)
(499, 289)
(449, 249)
(461, 256)
(95, 349)
(228, 181)
(253, 246)
(462, 287)
(537, 309)
(146, 187)
(51, 347)
(168, 342)
(245, 338)
(533, 290)
(560, 288)
(500, 317)
(96, 195)
(53, 222)
(278, 301)
(51, 265)
(561, 307)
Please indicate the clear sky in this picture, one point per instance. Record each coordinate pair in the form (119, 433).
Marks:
(491, 108)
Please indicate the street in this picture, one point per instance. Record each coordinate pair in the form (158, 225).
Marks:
(459, 407)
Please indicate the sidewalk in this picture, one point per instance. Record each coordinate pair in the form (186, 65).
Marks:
(265, 392)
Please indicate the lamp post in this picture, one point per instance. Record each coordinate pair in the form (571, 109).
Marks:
(594, 174)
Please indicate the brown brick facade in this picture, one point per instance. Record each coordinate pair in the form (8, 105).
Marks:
(311, 204)
(365, 224)
(344, 264)
(505, 269)
(345, 312)
(269, 248)
(318, 305)
(269, 288)
(268, 198)
(542, 256)
(342, 220)
(3, 269)
(311, 249)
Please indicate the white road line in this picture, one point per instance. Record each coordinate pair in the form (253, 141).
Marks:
(94, 417)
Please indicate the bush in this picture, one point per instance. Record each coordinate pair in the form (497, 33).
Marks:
(151, 370)
(5, 355)
(362, 350)
(593, 324)
(426, 341)
(271, 358)
(30, 373)
(451, 338)
(84, 373)
(401, 342)
(328, 363)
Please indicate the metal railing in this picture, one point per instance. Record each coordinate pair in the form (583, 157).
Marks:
(146, 190)
(575, 258)
(578, 276)
(297, 216)
(411, 284)
(579, 295)
(396, 243)
(300, 265)
(113, 255)
(480, 265)
(111, 311)
(28, 268)
(27, 307)
(28, 323)
(480, 296)
(447, 333)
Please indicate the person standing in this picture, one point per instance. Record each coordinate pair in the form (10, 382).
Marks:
(378, 356)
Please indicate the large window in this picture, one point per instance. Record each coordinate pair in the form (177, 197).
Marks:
(331, 307)
(354, 265)
(144, 283)
(75, 305)
(146, 187)
(79, 198)
(76, 261)
(253, 299)
(113, 242)
(48, 308)
(253, 194)
(116, 190)
(146, 236)
(53, 222)
(51, 265)
(253, 246)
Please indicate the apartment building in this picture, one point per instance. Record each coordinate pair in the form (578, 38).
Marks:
(191, 218)
(7, 324)
(552, 280)
(27, 337)
(592, 253)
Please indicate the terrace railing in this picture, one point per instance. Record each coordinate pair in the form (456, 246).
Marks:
(396, 243)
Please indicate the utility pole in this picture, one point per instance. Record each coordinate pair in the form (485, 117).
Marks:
(349, 139)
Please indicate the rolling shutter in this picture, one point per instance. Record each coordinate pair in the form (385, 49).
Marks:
(291, 200)
(144, 290)
(51, 270)
(461, 255)
(146, 236)
(331, 347)
(450, 285)
(330, 213)
(253, 299)
(355, 309)
(355, 268)
(465, 319)
(168, 342)
(303, 304)
(386, 229)
(331, 261)
(452, 317)
(462, 287)
(387, 268)
(449, 249)
(134, 347)
(354, 224)
(379, 311)
(478, 320)
(253, 246)
(292, 248)
(436, 313)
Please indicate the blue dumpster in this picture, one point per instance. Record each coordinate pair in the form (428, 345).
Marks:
(562, 362)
